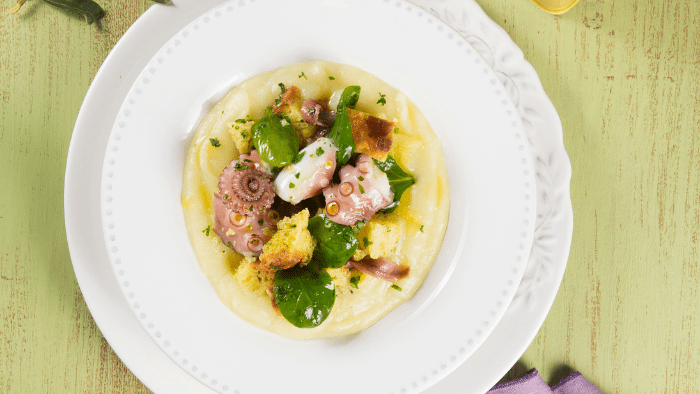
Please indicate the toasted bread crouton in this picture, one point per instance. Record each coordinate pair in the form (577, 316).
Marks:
(292, 244)
(252, 278)
(341, 278)
(379, 238)
(290, 105)
(241, 135)
(371, 135)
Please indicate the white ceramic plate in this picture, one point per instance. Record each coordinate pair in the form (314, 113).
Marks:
(491, 186)
(113, 314)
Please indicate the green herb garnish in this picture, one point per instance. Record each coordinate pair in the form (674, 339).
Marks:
(341, 132)
(319, 151)
(304, 295)
(362, 189)
(331, 78)
(240, 121)
(303, 75)
(395, 287)
(298, 158)
(399, 180)
(367, 242)
(381, 100)
(214, 142)
(335, 243)
(207, 230)
(355, 280)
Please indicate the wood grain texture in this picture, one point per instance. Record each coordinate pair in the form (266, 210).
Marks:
(625, 79)
(49, 341)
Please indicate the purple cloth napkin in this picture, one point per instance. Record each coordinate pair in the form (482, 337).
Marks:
(532, 383)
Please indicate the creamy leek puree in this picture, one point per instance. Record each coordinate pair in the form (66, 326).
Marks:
(409, 237)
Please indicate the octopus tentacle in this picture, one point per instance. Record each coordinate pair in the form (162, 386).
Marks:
(246, 234)
(363, 190)
(245, 185)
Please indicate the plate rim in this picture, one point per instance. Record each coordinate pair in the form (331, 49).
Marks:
(167, 19)
(136, 291)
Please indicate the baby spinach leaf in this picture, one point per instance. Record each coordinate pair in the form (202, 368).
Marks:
(335, 243)
(275, 139)
(399, 180)
(341, 132)
(304, 295)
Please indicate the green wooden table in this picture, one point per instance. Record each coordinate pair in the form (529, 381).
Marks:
(625, 79)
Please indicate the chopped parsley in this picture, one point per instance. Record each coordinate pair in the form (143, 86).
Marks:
(331, 78)
(278, 101)
(319, 151)
(298, 158)
(244, 134)
(214, 142)
(396, 130)
(207, 230)
(354, 281)
(226, 196)
(382, 99)
(421, 228)
(247, 160)
(293, 226)
(367, 242)
(291, 185)
(240, 121)
(260, 222)
(281, 85)
(311, 111)
(297, 175)
(303, 75)
(395, 287)
(362, 189)
(240, 167)
(360, 178)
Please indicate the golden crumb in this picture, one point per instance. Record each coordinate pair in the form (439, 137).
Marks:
(241, 135)
(252, 278)
(379, 238)
(371, 135)
(292, 244)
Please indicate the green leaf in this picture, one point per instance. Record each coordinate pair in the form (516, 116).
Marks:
(341, 132)
(87, 8)
(304, 295)
(275, 139)
(335, 243)
(399, 180)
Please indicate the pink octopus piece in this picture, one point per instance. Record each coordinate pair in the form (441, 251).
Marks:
(310, 111)
(363, 190)
(244, 233)
(246, 186)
